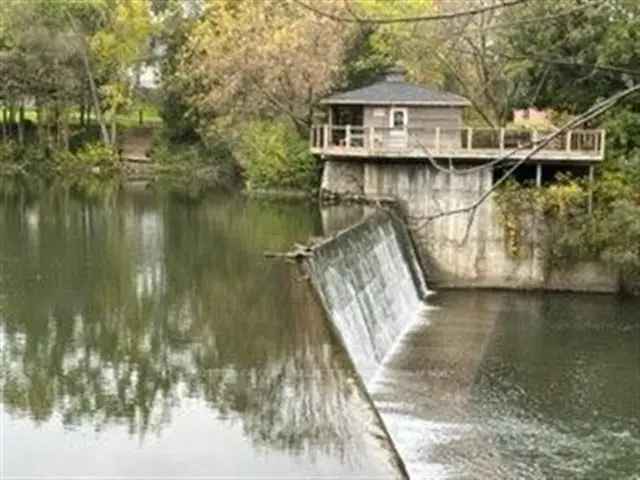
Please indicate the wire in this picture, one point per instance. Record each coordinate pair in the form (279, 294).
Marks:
(554, 61)
(427, 18)
(590, 114)
(525, 21)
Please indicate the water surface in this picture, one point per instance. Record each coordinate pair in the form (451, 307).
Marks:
(508, 385)
(484, 384)
(146, 335)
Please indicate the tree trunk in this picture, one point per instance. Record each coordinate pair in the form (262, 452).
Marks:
(56, 124)
(114, 126)
(12, 119)
(82, 113)
(39, 121)
(4, 124)
(48, 127)
(92, 84)
(96, 103)
(89, 110)
(21, 123)
(65, 130)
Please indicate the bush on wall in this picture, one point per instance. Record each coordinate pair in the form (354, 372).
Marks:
(569, 232)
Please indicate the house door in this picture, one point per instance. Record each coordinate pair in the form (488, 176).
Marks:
(398, 135)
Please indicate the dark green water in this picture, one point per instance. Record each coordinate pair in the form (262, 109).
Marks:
(148, 336)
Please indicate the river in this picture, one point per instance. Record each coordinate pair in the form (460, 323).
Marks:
(146, 335)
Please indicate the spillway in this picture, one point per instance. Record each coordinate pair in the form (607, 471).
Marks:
(372, 287)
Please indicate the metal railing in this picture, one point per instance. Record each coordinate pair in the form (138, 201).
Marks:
(464, 141)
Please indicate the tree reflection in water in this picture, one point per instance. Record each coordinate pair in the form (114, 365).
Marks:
(115, 311)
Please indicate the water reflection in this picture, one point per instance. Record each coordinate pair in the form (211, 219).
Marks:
(138, 312)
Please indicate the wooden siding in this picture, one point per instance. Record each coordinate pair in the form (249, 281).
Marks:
(419, 117)
(448, 119)
(371, 120)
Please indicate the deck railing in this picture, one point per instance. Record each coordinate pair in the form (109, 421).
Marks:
(438, 141)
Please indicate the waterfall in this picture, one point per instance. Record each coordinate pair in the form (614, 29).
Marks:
(371, 285)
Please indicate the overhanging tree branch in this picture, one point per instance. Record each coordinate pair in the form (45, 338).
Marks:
(590, 114)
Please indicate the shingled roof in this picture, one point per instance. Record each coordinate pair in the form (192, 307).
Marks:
(393, 90)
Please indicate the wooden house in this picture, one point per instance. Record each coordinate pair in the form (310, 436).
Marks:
(395, 119)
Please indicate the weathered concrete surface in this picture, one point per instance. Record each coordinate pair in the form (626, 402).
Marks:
(343, 178)
(454, 254)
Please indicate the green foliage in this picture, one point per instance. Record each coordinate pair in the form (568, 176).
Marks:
(556, 62)
(180, 120)
(16, 158)
(389, 39)
(364, 62)
(263, 58)
(190, 169)
(558, 214)
(8, 153)
(91, 158)
(276, 156)
(623, 136)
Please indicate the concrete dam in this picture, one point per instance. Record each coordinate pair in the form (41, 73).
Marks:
(372, 287)
(458, 252)
(373, 290)
(419, 357)
(467, 384)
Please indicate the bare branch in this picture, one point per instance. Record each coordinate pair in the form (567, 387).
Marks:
(590, 114)
(540, 19)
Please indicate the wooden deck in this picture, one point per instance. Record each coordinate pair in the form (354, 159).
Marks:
(575, 146)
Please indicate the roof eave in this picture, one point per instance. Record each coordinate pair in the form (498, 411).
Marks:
(432, 103)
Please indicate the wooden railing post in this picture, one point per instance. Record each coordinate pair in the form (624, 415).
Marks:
(469, 138)
(501, 144)
(371, 138)
(347, 140)
(603, 135)
(568, 140)
(437, 139)
(326, 136)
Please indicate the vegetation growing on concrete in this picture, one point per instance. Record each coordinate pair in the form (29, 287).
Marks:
(557, 218)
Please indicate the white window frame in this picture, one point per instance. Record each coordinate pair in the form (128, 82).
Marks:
(405, 112)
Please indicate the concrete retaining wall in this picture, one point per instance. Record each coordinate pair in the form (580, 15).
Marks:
(454, 254)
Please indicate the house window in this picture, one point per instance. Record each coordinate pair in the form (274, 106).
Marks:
(398, 118)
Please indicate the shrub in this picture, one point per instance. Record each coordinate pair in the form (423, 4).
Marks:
(274, 155)
(569, 233)
(191, 169)
(92, 156)
(8, 152)
(16, 159)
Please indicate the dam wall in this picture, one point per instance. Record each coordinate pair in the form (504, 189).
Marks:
(373, 292)
(370, 283)
(455, 252)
